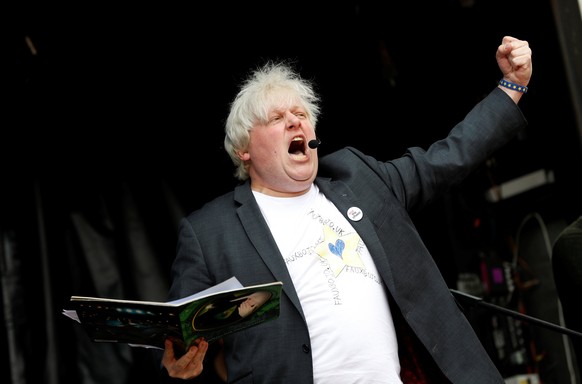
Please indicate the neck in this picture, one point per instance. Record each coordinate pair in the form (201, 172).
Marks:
(278, 193)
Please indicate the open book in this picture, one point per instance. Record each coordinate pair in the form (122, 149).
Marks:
(213, 313)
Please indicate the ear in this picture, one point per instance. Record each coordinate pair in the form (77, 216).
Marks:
(244, 156)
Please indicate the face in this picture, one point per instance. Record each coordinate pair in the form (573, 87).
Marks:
(254, 301)
(280, 161)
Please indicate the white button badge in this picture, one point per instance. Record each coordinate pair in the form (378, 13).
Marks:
(355, 214)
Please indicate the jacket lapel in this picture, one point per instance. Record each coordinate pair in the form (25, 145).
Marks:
(260, 236)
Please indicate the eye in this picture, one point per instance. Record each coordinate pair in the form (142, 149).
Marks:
(275, 119)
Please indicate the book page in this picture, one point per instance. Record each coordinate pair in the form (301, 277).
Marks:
(226, 285)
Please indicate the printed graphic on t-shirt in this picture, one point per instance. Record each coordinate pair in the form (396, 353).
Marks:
(322, 250)
(340, 251)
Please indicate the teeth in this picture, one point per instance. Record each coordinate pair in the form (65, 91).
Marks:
(297, 139)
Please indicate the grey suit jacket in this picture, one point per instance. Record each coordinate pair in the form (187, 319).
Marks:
(229, 237)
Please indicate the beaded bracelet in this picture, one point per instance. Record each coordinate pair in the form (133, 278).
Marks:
(515, 87)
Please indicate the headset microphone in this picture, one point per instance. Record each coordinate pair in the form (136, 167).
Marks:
(314, 143)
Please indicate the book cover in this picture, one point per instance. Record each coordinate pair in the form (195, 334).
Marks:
(218, 311)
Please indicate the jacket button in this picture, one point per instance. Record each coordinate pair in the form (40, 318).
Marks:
(306, 348)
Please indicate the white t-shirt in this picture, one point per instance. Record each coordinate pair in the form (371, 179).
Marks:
(352, 333)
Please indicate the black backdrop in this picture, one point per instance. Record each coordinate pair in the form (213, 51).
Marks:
(115, 131)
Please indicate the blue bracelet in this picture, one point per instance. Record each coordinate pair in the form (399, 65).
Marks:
(515, 87)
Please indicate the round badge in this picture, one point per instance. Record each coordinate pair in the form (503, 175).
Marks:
(355, 214)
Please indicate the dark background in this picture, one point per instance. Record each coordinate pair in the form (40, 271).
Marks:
(114, 129)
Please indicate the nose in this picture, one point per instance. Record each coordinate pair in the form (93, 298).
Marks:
(291, 120)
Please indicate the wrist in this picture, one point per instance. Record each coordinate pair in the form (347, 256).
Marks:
(513, 86)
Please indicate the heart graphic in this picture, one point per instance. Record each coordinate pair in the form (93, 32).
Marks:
(338, 248)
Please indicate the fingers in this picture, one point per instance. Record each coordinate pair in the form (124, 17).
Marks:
(508, 40)
(515, 47)
(520, 50)
(169, 355)
(188, 366)
(514, 59)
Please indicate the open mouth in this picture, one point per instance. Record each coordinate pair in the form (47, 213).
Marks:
(297, 146)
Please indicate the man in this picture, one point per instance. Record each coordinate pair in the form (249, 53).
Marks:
(363, 301)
